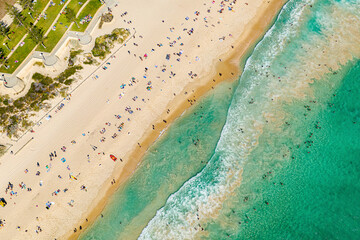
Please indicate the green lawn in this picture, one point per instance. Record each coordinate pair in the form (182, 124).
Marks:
(74, 5)
(39, 6)
(61, 26)
(53, 37)
(16, 33)
(51, 13)
(90, 9)
(20, 54)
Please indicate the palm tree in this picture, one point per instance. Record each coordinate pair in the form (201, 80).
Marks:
(37, 35)
(16, 15)
(27, 4)
(71, 16)
(4, 29)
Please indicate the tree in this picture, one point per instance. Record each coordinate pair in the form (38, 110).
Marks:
(4, 29)
(27, 4)
(16, 15)
(37, 35)
(2, 56)
(71, 16)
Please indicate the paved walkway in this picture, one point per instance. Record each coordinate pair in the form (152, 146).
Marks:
(36, 21)
(50, 59)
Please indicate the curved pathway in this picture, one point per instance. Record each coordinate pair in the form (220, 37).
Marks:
(12, 80)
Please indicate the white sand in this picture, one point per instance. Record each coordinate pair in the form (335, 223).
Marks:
(96, 102)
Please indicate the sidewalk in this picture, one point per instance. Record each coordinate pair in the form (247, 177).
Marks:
(50, 59)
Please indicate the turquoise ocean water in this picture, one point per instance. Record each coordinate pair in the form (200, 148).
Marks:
(275, 155)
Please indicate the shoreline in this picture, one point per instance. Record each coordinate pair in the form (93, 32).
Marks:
(231, 67)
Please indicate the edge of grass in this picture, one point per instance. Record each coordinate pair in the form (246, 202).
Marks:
(90, 9)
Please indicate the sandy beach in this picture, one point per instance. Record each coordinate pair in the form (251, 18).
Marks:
(179, 50)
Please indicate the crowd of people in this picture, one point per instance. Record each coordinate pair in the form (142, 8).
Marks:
(152, 79)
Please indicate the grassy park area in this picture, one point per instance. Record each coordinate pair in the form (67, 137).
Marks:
(19, 56)
(89, 10)
(46, 21)
(61, 26)
(16, 32)
(51, 13)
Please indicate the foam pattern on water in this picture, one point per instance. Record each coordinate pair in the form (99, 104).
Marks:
(307, 44)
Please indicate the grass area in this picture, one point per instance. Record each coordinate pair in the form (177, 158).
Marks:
(19, 55)
(90, 9)
(15, 32)
(53, 37)
(39, 6)
(22, 52)
(51, 13)
(62, 26)
(74, 5)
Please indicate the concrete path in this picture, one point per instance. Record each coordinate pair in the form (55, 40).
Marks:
(23, 38)
(50, 59)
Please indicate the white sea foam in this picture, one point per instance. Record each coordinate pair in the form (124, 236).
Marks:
(253, 107)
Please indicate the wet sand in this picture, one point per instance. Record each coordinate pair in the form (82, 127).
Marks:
(230, 67)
